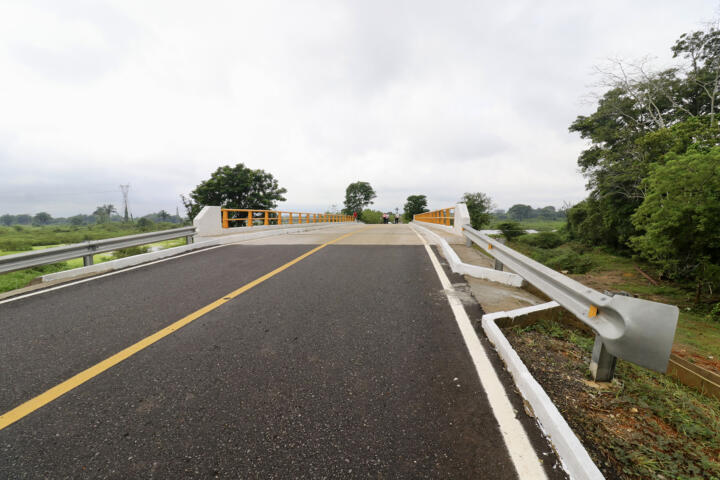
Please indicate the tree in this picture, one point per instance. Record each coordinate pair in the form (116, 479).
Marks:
(42, 218)
(510, 230)
(103, 212)
(415, 204)
(77, 220)
(23, 219)
(163, 215)
(678, 219)
(235, 187)
(145, 224)
(7, 219)
(478, 205)
(520, 212)
(358, 195)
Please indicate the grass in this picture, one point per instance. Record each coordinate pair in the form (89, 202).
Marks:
(650, 424)
(27, 238)
(532, 224)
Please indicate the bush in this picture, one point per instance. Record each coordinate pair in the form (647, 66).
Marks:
(130, 251)
(542, 240)
(15, 246)
(510, 230)
(714, 314)
(570, 261)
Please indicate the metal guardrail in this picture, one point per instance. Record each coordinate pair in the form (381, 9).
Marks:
(639, 331)
(444, 216)
(274, 217)
(19, 261)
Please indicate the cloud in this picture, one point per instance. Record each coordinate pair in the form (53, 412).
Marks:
(415, 97)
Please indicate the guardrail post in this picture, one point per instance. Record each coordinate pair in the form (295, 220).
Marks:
(498, 263)
(225, 223)
(188, 239)
(87, 260)
(602, 362)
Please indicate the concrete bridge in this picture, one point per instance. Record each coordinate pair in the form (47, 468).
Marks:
(337, 351)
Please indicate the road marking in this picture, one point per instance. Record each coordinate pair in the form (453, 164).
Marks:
(527, 464)
(117, 272)
(48, 396)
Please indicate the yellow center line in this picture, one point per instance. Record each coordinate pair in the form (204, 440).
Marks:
(48, 396)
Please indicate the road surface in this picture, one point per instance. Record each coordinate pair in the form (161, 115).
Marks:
(293, 358)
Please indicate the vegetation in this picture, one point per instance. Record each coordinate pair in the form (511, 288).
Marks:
(235, 187)
(376, 216)
(652, 161)
(643, 425)
(478, 205)
(415, 204)
(510, 230)
(519, 212)
(358, 195)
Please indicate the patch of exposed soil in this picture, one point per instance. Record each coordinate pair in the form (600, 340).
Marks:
(691, 355)
(621, 436)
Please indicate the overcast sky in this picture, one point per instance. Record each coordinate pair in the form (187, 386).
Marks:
(415, 97)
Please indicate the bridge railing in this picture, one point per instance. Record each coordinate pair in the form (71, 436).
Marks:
(242, 217)
(444, 216)
(86, 250)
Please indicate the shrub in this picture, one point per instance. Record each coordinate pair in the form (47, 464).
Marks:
(570, 261)
(15, 246)
(510, 230)
(714, 314)
(542, 240)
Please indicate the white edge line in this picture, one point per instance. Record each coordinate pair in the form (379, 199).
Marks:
(572, 454)
(116, 272)
(525, 459)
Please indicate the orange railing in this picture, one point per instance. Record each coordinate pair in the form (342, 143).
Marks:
(444, 216)
(274, 217)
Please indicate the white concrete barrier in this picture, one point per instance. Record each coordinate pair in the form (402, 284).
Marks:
(572, 453)
(458, 266)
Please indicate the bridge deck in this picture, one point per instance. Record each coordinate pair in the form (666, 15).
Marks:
(346, 364)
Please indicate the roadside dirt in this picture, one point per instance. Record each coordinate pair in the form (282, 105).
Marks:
(624, 433)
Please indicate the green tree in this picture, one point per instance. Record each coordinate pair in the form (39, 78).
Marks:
(42, 218)
(479, 206)
(510, 230)
(520, 212)
(415, 204)
(103, 212)
(77, 220)
(23, 219)
(358, 195)
(235, 187)
(678, 219)
(163, 215)
(7, 219)
(145, 224)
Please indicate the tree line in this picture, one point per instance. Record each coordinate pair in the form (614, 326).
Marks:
(102, 214)
(653, 163)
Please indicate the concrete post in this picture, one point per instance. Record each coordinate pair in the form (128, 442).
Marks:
(87, 260)
(498, 263)
(208, 222)
(462, 217)
(602, 363)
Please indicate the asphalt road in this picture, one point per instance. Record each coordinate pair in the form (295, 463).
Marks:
(348, 364)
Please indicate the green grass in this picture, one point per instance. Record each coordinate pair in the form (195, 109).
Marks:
(675, 430)
(24, 237)
(533, 224)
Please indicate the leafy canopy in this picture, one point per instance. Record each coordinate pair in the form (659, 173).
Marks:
(415, 204)
(478, 205)
(358, 195)
(235, 187)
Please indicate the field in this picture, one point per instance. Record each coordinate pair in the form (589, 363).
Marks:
(25, 238)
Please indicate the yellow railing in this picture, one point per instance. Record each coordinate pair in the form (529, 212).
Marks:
(275, 217)
(444, 216)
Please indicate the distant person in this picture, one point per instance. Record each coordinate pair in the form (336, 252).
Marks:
(397, 219)
(355, 216)
(385, 218)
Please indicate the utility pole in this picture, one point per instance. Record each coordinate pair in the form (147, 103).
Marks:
(124, 189)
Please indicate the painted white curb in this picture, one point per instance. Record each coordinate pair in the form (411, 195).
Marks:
(572, 454)
(201, 242)
(457, 266)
